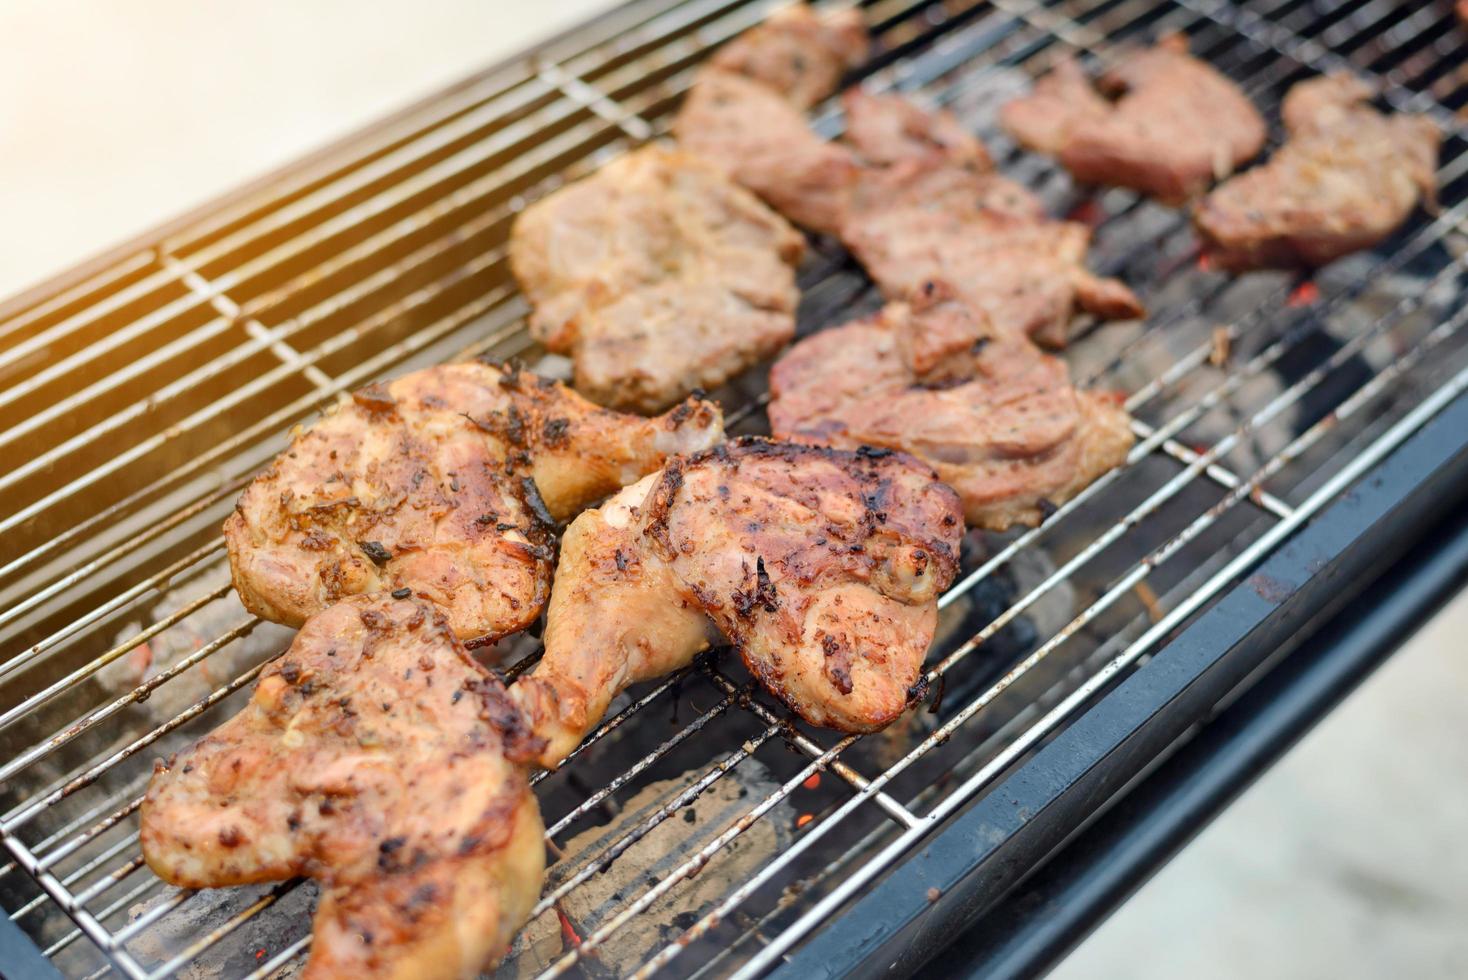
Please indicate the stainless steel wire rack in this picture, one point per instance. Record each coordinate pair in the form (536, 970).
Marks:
(699, 831)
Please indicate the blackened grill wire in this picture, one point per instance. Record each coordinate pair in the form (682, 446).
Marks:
(971, 580)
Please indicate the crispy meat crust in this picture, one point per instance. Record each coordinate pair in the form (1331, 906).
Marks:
(378, 758)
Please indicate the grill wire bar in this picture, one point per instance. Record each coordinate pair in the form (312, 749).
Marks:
(285, 276)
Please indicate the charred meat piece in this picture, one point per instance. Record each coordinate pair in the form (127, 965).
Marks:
(378, 758)
(763, 143)
(798, 53)
(445, 481)
(998, 420)
(657, 275)
(936, 212)
(1347, 177)
(822, 567)
(1176, 126)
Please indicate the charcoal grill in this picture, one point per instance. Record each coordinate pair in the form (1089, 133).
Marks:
(1100, 686)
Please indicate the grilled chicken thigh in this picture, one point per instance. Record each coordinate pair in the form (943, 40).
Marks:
(998, 420)
(1176, 125)
(1347, 178)
(657, 275)
(822, 567)
(377, 757)
(928, 207)
(798, 53)
(445, 481)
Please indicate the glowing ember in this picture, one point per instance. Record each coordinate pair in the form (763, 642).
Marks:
(259, 954)
(803, 819)
(568, 931)
(813, 781)
(1205, 264)
(1304, 294)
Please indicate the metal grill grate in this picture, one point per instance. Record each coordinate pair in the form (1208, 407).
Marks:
(139, 399)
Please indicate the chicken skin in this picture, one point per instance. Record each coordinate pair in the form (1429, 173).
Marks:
(657, 275)
(378, 758)
(1348, 177)
(998, 420)
(446, 481)
(822, 567)
(1176, 125)
(798, 53)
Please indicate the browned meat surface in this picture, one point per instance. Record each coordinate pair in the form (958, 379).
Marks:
(998, 420)
(797, 52)
(1347, 177)
(657, 275)
(927, 207)
(822, 567)
(763, 143)
(1023, 270)
(1176, 125)
(888, 129)
(446, 482)
(376, 757)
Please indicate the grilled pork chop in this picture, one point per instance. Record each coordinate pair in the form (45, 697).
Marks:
(998, 420)
(928, 207)
(378, 758)
(1176, 125)
(1347, 178)
(657, 275)
(798, 53)
(762, 142)
(822, 567)
(445, 481)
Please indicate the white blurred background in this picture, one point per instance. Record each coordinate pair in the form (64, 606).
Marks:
(1350, 859)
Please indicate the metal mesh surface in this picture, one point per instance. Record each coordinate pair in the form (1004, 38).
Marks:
(699, 831)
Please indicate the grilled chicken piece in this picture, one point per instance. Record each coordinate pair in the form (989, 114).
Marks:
(445, 481)
(998, 420)
(378, 758)
(822, 567)
(657, 275)
(763, 143)
(928, 207)
(1348, 177)
(1176, 126)
(798, 53)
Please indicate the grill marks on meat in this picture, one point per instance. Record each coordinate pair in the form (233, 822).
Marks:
(998, 420)
(822, 567)
(1347, 177)
(1176, 126)
(798, 53)
(443, 482)
(376, 757)
(657, 275)
(935, 212)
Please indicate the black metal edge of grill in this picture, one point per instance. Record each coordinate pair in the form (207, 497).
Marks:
(901, 924)
(1049, 914)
